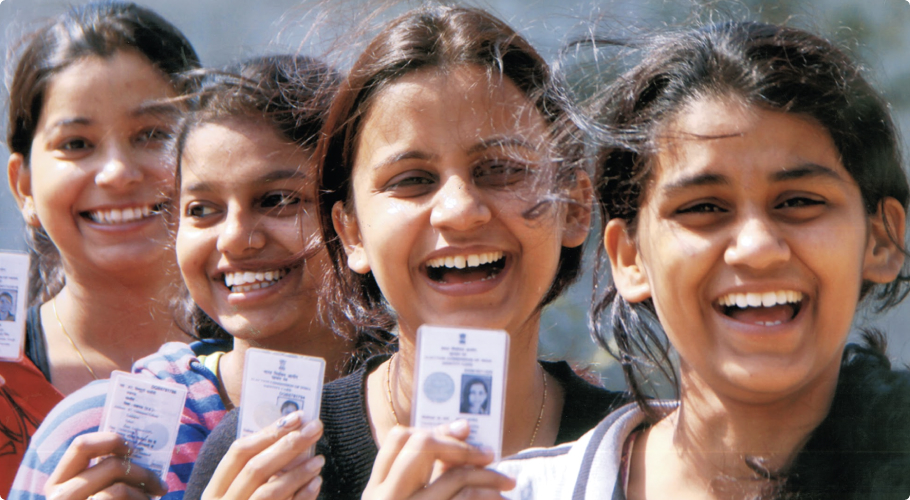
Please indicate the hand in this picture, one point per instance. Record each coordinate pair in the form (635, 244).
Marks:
(115, 476)
(430, 465)
(271, 464)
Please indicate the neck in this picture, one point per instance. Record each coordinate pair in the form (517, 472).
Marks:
(317, 341)
(122, 322)
(523, 398)
(712, 439)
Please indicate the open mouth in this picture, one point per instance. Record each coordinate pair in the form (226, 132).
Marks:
(123, 215)
(466, 268)
(765, 309)
(247, 281)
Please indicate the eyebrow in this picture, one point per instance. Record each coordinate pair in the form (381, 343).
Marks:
(150, 108)
(493, 142)
(803, 171)
(267, 178)
(501, 142)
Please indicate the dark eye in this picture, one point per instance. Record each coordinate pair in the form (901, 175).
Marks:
(199, 210)
(280, 200)
(410, 184)
(701, 208)
(799, 202)
(500, 173)
(153, 135)
(75, 144)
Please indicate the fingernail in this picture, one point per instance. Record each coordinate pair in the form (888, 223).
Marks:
(162, 483)
(310, 429)
(459, 426)
(292, 419)
(315, 463)
(314, 485)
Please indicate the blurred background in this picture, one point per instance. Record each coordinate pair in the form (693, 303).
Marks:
(875, 31)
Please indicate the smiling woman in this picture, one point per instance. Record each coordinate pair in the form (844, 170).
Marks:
(92, 178)
(753, 195)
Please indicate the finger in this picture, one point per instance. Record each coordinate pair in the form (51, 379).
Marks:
(388, 452)
(109, 472)
(120, 491)
(85, 448)
(242, 450)
(414, 465)
(311, 491)
(467, 482)
(259, 469)
(288, 484)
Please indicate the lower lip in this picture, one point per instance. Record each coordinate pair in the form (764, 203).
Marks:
(753, 329)
(471, 288)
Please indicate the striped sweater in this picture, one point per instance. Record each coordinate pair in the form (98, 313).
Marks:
(80, 413)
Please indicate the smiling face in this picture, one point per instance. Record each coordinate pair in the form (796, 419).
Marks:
(98, 174)
(245, 222)
(753, 242)
(445, 168)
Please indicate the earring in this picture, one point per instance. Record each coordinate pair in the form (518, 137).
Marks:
(30, 216)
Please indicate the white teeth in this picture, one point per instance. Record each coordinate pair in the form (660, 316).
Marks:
(766, 299)
(247, 281)
(463, 261)
(120, 216)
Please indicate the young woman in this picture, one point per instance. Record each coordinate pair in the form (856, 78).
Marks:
(450, 194)
(754, 196)
(91, 177)
(249, 255)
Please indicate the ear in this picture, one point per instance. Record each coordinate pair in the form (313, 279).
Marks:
(20, 183)
(349, 231)
(629, 275)
(578, 211)
(885, 248)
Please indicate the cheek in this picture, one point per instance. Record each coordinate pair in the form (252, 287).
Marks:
(192, 248)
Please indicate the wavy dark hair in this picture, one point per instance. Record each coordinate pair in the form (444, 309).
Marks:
(773, 67)
(442, 38)
(95, 29)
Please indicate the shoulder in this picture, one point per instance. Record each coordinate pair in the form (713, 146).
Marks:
(78, 414)
(584, 404)
(587, 468)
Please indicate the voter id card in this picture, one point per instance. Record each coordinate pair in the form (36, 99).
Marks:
(13, 302)
(461, 374)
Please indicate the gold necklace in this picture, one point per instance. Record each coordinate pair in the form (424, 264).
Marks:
(76, 348)
(543, 404)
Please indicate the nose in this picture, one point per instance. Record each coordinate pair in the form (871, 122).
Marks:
(240, 233)
(119, 171)
(459, 205)
(757, 243)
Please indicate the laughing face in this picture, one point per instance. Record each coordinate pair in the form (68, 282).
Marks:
(444, 172)
(98, 173)
(246, 200)
(753, 242)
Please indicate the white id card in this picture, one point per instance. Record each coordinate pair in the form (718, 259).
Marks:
(13, 301)
(461, 374)
(276, 384)
(146, 412)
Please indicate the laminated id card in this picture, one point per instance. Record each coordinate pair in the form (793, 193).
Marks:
(276, 384)
(13, 299)
(146, 412)
(461, 374)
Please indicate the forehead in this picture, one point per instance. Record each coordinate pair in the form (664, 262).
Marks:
(238, 151)
(453, 106)
(741, 142)
(98, 85)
